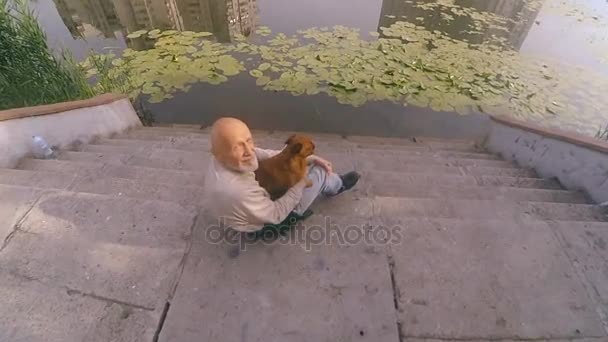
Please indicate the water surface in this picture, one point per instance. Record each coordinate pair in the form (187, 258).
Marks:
(562, 32)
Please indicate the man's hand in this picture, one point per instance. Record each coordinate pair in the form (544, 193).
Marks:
(326, 165)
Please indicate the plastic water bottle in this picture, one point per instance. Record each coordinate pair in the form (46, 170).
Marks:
(42, 148)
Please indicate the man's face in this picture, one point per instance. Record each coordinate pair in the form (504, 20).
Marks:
(240, 155)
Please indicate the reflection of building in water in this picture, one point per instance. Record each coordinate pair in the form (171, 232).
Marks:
(224, 18)
(99, 14)
(242, 16)
(517, 28)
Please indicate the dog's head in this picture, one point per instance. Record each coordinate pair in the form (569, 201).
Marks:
(299, 144)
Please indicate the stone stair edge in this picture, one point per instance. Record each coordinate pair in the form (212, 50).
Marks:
(417, 159)
(396, 198)
(76, 178)
(419, 190)
(355, 152)
(353, 138)
(26, 164)
(591, 224)
(52, 192)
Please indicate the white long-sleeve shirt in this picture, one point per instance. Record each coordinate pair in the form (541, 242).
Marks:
(238, 201)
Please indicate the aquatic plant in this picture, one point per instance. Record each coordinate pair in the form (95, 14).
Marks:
(30, 74)
(403, 63)
(177, 60)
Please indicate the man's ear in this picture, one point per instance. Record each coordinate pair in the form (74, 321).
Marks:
(296, 148)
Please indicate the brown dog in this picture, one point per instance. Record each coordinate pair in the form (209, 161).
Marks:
(284, 170)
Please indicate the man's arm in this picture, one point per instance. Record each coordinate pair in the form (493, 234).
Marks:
(265, 154)
(256, 208)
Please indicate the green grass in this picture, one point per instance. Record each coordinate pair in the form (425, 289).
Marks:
(30, 74)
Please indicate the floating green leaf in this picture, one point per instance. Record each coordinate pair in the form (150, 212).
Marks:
(263, 80)
(256, 73)
(137, 34)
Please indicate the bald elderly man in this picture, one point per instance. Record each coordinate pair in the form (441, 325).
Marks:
(236, 197)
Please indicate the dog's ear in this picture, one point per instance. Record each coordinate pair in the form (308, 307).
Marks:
(296, 148)
(290, 139)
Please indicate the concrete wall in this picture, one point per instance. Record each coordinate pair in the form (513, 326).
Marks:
(578, 162)
(62, 124)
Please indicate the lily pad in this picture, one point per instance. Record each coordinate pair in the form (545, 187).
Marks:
(136, 34)
(263, 80)
(256, 73)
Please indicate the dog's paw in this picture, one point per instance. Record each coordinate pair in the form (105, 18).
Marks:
(308, 183)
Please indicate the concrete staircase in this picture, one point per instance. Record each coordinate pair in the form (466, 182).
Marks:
(109, 243)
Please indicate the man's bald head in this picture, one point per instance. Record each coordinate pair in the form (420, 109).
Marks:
(232, 144)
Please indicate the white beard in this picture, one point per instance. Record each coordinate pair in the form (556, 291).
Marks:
(249, 167)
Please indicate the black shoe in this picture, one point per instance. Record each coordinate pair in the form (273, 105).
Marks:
(293, 217)
(272, 231)
(349, 180)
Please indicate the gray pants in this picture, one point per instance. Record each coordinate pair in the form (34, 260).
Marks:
(322, 184)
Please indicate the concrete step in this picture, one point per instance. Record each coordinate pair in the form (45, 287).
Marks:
(435, 144)
(177, 130)
(55, 165)
(497, 171)
(434, 169)
(421, 151)
(15, 202)
(198, 161)
(142, 150)
(89, 183)
(176, 144)
(394, 208)
(344, 291)
(102, 245)
(193, 145)
(193, 142)
(190, 144)
(435, 189)
(35, 312)
(178, 127)
(163, 159)
(94, 157)
(519, 182)
(162, 136)
(382, 162)
(356, 141)
(283, 135)
(136, 188)
(456, 279)
(37, 179)
(144, 174)
(372, 176)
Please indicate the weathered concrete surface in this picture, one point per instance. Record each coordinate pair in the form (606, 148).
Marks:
(122, 249)
(35, 312)
(503, 279)
(101, 170)
(430, 176)
(282, 292)
(58, 129)
(587, 245)
(575, 166)
(120, 240)
(485, 209)
(600, 339)
(132, 188)
(38, 179)
(15, 202)
(458, 191)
